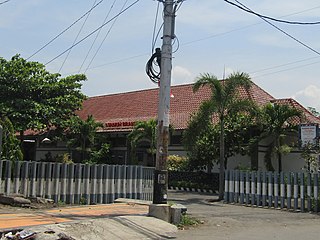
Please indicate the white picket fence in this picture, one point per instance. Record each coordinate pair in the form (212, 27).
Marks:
(76, 183)
(292, 191)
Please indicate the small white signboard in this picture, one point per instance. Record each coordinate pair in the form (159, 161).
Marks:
(308, 134)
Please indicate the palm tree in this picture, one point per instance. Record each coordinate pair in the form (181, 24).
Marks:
(224, 100)
(144, 130)
(276, 125)
(82, 135)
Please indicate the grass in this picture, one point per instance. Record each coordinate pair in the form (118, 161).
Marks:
(188, 221)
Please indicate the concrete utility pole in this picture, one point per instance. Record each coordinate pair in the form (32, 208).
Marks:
(161, 174)
(1, 132)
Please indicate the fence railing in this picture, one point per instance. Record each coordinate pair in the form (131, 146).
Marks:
(76, 183)
(296, 191)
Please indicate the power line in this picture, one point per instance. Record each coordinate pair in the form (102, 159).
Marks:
(135, 2)
(283, 65)
(105, 37)
(284, 32)
(287, 69)
(213, 36)
(76, 38)
(95, 39)
(154, 36)
(107, 34)
(248, 10)
(4, 2)
(65, 30)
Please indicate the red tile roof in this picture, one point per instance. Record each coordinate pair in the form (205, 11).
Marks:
(308, 116)
(115, 109)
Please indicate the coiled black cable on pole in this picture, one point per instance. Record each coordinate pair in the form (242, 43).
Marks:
(153, 62)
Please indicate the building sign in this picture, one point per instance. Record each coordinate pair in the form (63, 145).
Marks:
(308, 134)
(119, 124)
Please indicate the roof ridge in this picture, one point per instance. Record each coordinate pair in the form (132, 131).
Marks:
(136, 91)
(262, 89)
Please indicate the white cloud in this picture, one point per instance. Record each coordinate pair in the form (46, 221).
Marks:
(181, 75)
(309, 96)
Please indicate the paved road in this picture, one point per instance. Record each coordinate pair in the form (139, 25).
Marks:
(234, 222)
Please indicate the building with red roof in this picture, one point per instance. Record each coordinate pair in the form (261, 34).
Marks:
(119, 112)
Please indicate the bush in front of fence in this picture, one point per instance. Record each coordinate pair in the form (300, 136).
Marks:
(196, 180)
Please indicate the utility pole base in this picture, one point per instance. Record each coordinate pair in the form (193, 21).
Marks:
(160, 190)
(160, 211)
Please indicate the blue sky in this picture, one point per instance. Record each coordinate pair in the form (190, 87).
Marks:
(214, 37)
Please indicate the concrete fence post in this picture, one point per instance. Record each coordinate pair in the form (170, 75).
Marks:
(56, 179)
(309, 196)
(282, 190)
(134, 182)
(295, 191)
(253, 188)
(248, 190)
(129, 181)
(242, 187)
(33, 179)
(70, 183)
(25, 178)
(226, 185)
(264, 189)
(289, 190)
(105, 187)
(316, 191)
(7, 175)
(99, 183)
(258, 188)
(139, 182)
(63, 190)
(48, 177)
(236, 186)
(41, 179)
(86, 183)
(112, 175)
(77, 188)
(16, 180)
(276, 190)
(302, 191)
(270, 188)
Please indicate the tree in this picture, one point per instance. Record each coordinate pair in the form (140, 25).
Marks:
(202, 145)
(277, 121)
(81, 135)
(144, 130)
(35, 99)
(224, 100)
(314, 111)
(10, 144)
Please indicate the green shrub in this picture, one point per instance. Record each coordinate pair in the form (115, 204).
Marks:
(177, 163)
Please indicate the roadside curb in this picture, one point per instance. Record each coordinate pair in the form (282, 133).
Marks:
(132, 201)
(192, 190)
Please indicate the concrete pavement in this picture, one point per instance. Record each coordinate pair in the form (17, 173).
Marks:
(237, 222)
(108, 221)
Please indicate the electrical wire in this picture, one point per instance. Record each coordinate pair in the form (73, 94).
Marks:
(76, 38)
(105, 37)
(66, 29)
(267, 17)
(124, 10)
(4, 2)
(154, 38)
(282, 65)
(284, 32)
(153, 62)
(96, 37)
(287, 69)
